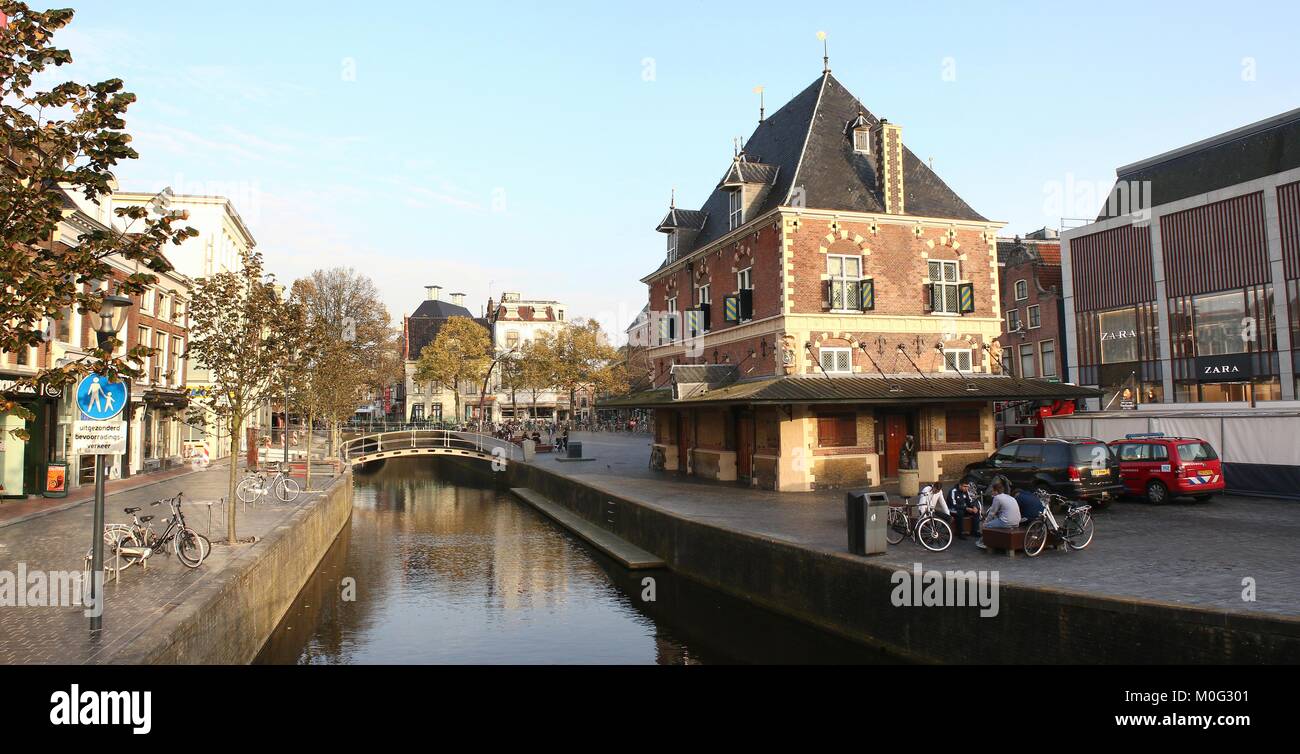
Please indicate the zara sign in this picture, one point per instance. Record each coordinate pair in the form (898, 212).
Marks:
(1232, 367)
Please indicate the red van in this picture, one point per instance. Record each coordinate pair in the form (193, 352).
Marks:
(1159, 468)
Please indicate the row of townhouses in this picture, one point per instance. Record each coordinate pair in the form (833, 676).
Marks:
(833, 297)
(160, 432)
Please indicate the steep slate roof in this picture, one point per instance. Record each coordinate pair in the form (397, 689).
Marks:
(1254, 151)
(687, 219)
(422, 326)
(806, 144)
(743, 171)
(780, 390)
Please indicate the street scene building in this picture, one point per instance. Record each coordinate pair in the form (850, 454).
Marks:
(831, 299)
(427, 401)
(516, 322)
(1199, 338)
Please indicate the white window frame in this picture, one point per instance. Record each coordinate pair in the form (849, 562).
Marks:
(1043, 362)
(835, 353)
(1013, 314)
(862, 141)
(964, 364)
(1029, 317)
(735, 209)
(672, 246)
(745, 279)
(844, 280)
(944, 284)
(703, 294)
(1022, 285)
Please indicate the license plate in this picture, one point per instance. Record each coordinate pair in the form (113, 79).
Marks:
(1101, 472)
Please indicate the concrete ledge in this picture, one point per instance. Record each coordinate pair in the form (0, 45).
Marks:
(226, 619)
(851, 597)
(628, 555)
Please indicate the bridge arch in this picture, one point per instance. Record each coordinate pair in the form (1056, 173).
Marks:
(426, 442)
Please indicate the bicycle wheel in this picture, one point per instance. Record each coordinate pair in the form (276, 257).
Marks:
(191, 548)
(934, 534)
(1036, 538)
(1078, 531)
(896, 527)
(287, 490)
(246, 490)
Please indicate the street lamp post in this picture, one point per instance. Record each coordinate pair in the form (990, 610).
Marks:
(108, 323)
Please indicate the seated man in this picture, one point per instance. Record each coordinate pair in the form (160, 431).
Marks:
(1004, 512)
(1031, 507)
(964, 506)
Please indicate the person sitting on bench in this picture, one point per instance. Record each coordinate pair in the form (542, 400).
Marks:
(1031, 507)
(964, 506)
(932, 497)
(1004, 512)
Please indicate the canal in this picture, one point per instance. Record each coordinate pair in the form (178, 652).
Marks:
(437, 569)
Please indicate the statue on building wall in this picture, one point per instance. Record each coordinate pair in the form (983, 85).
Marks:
(995, 351)
(788, 354)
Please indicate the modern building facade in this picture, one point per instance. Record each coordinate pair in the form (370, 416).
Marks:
(831, 297)
(1184, 295)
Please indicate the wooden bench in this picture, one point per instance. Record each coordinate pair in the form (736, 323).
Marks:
(1011, 540)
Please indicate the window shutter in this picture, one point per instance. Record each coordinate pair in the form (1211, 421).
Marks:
(706, 317)
(826, 432)
(731, 308)
(846, 430)
(747, 303)
(868, 289)
(966, 298)
(928, 298)
(828, 294)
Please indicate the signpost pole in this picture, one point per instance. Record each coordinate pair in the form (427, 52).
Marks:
(97, 557)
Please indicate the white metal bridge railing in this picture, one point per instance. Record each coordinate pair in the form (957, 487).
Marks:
(432, 440)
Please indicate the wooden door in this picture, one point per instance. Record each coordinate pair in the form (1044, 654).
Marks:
(895, 436)
(745, 445)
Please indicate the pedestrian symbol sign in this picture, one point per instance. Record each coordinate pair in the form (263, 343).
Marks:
(99, 399)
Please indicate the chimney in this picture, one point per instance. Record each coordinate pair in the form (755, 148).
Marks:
(887, 145)
(458, 299)
(434, 291)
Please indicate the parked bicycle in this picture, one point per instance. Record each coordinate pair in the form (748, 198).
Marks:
(1076, 530)
(927, 529)
(256, 485)
(134, 543)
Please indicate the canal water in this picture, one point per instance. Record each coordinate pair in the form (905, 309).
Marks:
(436, 570)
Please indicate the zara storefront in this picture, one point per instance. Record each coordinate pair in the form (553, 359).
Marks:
(1182, 295)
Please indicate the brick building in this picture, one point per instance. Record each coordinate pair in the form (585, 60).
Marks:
(831, 297)
(1032, 343)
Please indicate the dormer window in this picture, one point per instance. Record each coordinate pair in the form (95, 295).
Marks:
(672, 246)
(862, 141)
(735, 209)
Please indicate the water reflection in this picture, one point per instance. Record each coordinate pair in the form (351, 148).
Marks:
(447, 572)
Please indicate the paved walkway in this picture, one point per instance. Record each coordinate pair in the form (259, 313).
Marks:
(1183, 553)
(58, 541)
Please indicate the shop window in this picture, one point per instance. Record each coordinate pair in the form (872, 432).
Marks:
(1221, 325)
(1118, 335)
(963, 426)
(837, 431)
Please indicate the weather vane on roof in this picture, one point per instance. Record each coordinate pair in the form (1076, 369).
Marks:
(826, 54)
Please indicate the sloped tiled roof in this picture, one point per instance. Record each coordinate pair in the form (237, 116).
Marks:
(805, 145)
(681, 219)
(776, 390)
(743, 171)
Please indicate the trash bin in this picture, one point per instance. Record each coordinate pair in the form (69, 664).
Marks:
(909, 482)
(867, 514)
(575, 450)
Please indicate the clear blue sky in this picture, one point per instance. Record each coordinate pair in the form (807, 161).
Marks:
(489, 146)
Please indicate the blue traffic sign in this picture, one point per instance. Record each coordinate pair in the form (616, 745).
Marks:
(99, 399)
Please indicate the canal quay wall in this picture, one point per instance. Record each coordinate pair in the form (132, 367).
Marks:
(851, 596)
(228, 620)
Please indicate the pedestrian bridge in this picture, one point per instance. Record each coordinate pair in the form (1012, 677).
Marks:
(427, 442)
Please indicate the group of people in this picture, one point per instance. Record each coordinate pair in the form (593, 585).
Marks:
(556, 436)
(1009, 508)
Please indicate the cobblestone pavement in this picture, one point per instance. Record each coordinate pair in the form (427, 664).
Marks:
(1183, 553)
(59, 541)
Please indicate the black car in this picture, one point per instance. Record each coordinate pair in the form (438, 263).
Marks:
(1077, 468)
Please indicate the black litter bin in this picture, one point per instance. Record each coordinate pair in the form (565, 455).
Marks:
(575, 450)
